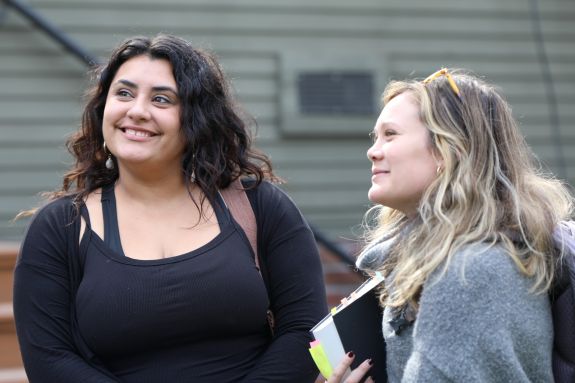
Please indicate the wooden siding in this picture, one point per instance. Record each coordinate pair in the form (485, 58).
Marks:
(263, 45)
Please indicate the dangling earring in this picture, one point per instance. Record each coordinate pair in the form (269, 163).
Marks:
(193, 176)
(109, 161)
(438, 170)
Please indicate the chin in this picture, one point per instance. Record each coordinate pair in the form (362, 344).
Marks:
(375, 196)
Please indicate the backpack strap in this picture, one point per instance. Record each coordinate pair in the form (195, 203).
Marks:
(563, 304)
(237, 201)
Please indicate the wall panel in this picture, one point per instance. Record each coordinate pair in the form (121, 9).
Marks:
(262, 46)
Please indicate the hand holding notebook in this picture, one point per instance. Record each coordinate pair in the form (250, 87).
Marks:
(355, 325)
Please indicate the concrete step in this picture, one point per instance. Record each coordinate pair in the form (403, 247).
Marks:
(10, 355)
(10, 360)
(13, 375)
(11, 370)
(8, 255)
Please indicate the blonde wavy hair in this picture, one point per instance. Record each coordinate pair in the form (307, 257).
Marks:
(490, 189)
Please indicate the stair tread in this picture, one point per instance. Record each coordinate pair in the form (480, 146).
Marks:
(6, 311)
(9, 248)
(13, 375)
(8, 254)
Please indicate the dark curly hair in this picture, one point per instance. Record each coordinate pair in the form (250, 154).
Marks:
(218, 140)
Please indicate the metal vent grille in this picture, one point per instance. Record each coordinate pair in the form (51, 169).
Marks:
(336, 93)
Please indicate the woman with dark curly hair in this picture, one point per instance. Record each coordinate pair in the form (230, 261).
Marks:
(136, 270)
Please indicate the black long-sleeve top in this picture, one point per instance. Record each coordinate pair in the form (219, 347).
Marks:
(195, 317)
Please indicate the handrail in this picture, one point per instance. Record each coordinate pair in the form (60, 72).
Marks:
(550, 92)
(53, 32)
(334, 248)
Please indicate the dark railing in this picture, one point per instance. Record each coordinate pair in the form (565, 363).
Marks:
(333, 247)
(53, 32)
(549, 88)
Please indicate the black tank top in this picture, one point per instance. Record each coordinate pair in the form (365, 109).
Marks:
(110, 216)
(195, 317)
(111, 229)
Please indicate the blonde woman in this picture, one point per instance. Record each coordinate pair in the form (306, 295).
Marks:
(464, 237)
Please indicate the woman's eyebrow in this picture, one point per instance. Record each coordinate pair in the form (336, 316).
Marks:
(159, 88)
(127, 83)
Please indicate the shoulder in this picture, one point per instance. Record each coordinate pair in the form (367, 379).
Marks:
(481, 283)
(54, 216)
(477, 274)
(59, 210)
(269, 196)
(481, 290)
(481, 307)
(275, 210)
(480, 263)
(49, 231)
(265, 190)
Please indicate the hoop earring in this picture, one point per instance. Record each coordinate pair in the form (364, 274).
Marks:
(109, 161)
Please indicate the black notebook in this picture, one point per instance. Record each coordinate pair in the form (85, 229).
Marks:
(355, 325)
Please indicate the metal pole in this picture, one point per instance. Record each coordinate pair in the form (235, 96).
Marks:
(53, 32)
(549, 89)
(333, 247)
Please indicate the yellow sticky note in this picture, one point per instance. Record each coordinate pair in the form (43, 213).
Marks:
(320, 358)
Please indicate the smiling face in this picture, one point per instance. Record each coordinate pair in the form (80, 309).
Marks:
(403, 165)
(141, 121)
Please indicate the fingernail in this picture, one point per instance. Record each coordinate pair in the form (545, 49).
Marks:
(350, 354)
(370, 362)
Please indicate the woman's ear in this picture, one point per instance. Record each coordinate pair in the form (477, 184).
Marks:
(439, 163)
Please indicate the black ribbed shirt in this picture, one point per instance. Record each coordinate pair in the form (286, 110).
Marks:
(195, 317)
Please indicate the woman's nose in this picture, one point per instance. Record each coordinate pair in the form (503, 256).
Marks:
(139, 110)
(374, 153)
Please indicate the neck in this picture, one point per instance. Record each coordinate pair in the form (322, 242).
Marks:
(155, 189)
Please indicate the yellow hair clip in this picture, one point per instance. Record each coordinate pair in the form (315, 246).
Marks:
(444, 72)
